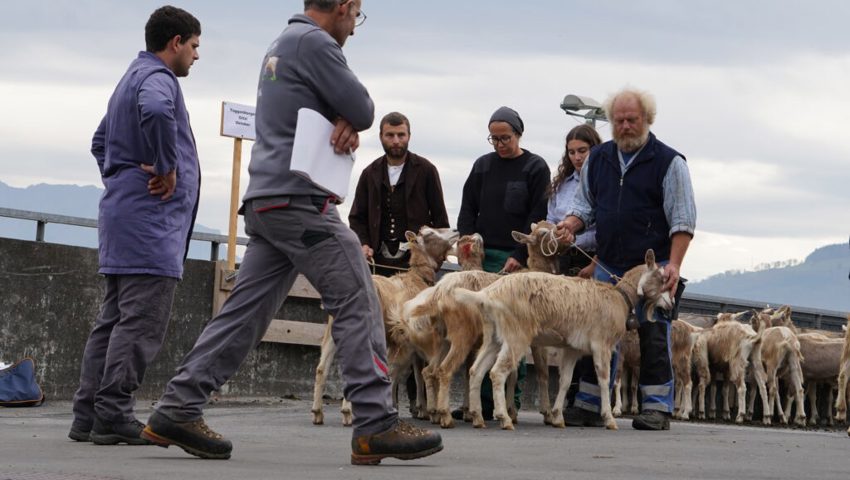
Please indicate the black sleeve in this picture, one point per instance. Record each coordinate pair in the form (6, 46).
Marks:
(436, 203)
(358, 216)
(469, 207)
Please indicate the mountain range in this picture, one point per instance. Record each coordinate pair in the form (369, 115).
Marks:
(820, 281)
(72, 201)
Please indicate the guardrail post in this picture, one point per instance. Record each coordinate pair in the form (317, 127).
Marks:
(214, 251)
(39, 231)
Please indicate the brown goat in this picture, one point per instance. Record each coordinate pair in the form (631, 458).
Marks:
(458, 327)
(428, 250)
(843, 372)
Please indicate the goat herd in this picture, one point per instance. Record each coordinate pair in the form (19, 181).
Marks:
(489, 321)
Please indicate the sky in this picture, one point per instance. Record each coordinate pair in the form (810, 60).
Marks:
(753, 93)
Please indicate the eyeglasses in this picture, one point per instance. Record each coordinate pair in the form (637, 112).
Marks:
(504, 140)
(360, 18)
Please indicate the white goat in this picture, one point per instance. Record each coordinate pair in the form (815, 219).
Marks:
(581, 317)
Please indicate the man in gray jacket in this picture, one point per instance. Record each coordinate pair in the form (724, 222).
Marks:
(294, 227)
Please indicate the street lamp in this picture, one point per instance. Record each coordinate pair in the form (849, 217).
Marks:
(574, 105)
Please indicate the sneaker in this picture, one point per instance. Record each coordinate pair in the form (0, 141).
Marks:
(78, 434)
(106, 433)
(651, 420)
(404, 441)
(579, 417)
(195, 438)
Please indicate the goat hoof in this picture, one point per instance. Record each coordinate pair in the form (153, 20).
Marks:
(447, 424)
(507, 425)
(318, 418)
(612, 425)
(346, 419)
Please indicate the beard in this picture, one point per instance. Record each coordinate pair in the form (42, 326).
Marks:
(631, 143)
(395, 152)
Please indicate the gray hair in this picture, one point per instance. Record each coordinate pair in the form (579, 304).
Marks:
(644, 98)
(322, 5)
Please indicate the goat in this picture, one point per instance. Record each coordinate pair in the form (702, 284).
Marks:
(470, 252)
(728, 344)
(822, 359)
(458, 326)
(843, 372)
(780, 350)
(581, 317)
(684, 337)
(428, 250)
(628, 374)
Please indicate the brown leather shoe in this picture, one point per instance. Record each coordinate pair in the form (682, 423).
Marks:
(404, 441)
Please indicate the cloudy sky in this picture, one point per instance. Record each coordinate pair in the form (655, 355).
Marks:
(754, 93)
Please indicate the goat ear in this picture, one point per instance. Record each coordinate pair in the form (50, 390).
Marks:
(650, 259)
(520, 237)
(410, 236)
(533, 226)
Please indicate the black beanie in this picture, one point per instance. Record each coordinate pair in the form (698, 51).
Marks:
(509, 116)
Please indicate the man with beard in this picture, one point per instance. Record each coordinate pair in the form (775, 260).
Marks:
(397, 192)
(638, 192)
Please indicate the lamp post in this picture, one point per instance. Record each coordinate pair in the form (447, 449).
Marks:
(583, 107)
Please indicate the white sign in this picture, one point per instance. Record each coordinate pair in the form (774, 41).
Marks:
(237, 121)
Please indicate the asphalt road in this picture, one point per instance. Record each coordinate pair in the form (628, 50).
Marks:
(276, 440)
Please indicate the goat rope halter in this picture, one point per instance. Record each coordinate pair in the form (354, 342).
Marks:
(549, 248)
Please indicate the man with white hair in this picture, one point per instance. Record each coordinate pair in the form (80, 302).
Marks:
(638, 192)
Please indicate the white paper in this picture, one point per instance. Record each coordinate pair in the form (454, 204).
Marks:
(313, 156)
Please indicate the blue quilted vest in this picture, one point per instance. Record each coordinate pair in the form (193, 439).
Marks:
(630, 208)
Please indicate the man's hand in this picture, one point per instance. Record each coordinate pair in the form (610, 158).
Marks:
(564, 233)
(344, 137)
(161, 184)
(367, 252)
(671, 278)
(587, 272)
(511, 265)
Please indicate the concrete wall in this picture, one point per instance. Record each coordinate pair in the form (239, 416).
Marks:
(51, 295)
(50, 298)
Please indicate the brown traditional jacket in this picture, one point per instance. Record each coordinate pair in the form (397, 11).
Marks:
(423, 198)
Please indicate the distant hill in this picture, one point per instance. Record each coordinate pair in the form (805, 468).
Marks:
(73, 201)
(818, 282)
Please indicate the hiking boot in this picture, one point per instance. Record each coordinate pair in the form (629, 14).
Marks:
(651, 420)
(195, 438)
(106, 433)
(78, 434)
(579, 417)
(404, 441)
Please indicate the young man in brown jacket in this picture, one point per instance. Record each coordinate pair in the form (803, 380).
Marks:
(397, 192)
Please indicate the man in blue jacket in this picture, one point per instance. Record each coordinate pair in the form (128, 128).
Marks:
(638, 191)
(294, 226)
(148, 162)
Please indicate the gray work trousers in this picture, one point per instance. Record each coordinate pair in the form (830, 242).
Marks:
(288, 235)
(126, 337)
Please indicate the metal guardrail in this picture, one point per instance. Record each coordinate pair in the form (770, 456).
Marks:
(691, 303)
(42, 219)
(803, 317)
